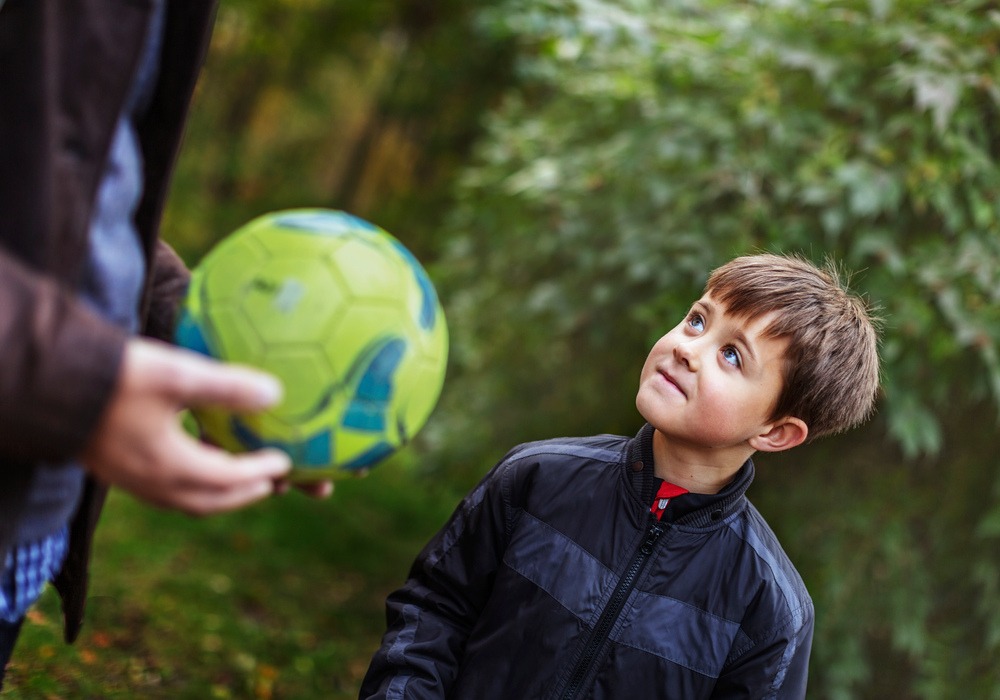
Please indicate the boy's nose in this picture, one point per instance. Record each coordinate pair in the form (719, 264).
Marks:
(686, 354)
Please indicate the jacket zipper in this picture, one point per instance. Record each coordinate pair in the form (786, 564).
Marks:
(611, 611)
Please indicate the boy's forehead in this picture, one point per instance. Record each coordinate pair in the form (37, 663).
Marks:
(758, 321)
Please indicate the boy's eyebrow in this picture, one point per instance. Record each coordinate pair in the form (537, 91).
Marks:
(745, 342)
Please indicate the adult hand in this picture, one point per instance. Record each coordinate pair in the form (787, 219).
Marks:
(140, 446)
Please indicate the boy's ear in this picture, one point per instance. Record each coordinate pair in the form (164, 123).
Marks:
(783, 434)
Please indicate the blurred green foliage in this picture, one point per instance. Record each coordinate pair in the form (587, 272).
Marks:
(570, 172)
(645, 143)
(362, 105)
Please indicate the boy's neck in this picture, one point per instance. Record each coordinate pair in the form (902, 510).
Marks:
(689, 468)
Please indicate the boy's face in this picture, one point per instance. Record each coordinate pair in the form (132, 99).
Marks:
(713, 380)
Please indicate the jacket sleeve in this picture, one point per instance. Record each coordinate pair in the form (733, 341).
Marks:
(60, 366)
(168, 283)
(430, 617)
(775, 667)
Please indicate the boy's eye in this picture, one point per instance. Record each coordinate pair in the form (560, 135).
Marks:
(732, 356)
(696, 322)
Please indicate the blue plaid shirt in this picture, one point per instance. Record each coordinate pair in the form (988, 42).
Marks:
(26, 570)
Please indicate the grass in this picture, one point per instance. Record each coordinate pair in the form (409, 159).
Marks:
(280, 600)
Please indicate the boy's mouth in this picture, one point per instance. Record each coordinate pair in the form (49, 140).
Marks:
(670, 380)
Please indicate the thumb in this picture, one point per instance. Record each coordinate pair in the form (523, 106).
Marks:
(191, 379)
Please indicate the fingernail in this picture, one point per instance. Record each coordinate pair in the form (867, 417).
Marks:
(270, 390)
(286, 462)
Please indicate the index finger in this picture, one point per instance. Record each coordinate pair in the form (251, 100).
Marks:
(209, 467)
(195, 380)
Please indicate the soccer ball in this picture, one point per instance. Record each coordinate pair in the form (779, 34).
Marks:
(343, 314)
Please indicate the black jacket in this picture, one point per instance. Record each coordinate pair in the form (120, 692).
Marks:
(65, 70)
(552, 580)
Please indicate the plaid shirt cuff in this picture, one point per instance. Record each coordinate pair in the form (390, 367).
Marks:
(26, 570)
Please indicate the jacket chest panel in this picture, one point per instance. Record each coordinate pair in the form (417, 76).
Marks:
(665, 627)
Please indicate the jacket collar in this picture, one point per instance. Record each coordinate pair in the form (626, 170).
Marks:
(640, 470)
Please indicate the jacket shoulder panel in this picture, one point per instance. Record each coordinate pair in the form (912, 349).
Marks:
(781, 600)
(605, 448)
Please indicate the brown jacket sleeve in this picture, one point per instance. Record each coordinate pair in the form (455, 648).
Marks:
(60, 364)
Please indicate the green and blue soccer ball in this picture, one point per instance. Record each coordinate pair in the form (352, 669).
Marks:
(343, 314)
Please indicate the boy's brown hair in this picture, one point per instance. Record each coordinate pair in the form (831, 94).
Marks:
(831, 374)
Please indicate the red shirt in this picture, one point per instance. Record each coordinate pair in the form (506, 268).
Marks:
(664, 495)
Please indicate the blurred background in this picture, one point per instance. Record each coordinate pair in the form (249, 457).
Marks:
(570, 172)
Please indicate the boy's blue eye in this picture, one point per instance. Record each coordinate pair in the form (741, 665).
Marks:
(696, 322)
(732, 356)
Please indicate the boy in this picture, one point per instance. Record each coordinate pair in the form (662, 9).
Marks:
(608, 567)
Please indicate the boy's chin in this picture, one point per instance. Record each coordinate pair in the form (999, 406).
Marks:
(643, 407)
(651, 410)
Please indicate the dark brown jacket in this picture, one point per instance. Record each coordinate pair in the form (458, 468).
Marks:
(65, 69)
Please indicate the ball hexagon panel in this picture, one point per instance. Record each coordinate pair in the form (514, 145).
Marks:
(306, 375)
(422, 298)
(370, 274)
(431, 343)
(355, 330)
(231, 336)
(311, 449)
(227, 270)
(292, 300)
(277, 240)
(418, 394)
